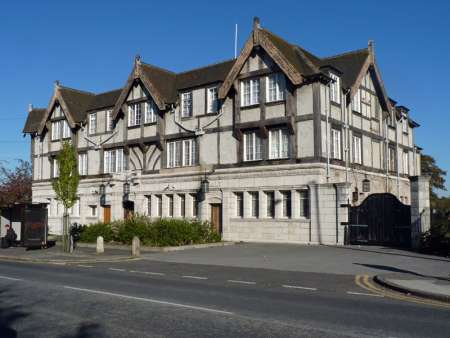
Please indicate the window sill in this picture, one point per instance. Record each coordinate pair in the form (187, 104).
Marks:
(185, 118)
(275, 103)
(335, 103)
(134, 127)
(150, 124)
(251, 106)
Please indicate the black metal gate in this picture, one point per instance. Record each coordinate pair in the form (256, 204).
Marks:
(380, 219)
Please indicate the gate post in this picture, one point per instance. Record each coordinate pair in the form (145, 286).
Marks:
(420, 208)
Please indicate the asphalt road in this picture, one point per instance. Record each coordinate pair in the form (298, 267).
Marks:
(160, 299)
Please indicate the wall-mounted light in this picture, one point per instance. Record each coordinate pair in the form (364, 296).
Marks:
(366, 185)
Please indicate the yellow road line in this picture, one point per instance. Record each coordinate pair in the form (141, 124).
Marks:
(364, 282)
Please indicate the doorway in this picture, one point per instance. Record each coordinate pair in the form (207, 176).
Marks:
(128, 209)
(216, 217)
(106, 214)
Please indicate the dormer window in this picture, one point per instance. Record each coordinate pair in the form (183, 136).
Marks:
(276, 86)
(186, 104)
(249, 92)
(65, 129)
(92, 123)
(335, 88)
(150, 112)
(212, 100)
(134, 114)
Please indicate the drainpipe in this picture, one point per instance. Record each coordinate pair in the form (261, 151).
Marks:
(397, 160)
(386, 150)
(327, 136)
(337, 212)
(346, 120)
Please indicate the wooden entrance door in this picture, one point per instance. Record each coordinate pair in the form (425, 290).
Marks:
(106, 214)
(216, 217)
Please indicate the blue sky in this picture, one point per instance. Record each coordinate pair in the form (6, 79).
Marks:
(91, 45)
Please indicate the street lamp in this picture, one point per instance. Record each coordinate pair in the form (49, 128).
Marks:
(366, 185)
(204, 188)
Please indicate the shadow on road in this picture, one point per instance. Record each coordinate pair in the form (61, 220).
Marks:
(86, 330)
(9, 314)
(397, 270)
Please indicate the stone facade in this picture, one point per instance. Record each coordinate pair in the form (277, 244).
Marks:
(281, 167)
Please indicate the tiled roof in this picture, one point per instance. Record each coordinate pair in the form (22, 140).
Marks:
(104, 100)
(205, 75)
(77, 102)
(34, 118)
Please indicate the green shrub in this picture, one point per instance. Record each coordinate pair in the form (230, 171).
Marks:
(161, 232)
(90, 233)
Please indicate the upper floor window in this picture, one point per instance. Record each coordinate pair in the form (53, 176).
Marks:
(57, 112)
(406, 163)
(134, 114)
(114, 161)
(249, 92)
(82, 164)
(252, 146)
(150, 112)
(56, 130)
(278, 143)
(212, 100)
(109, 121)
(366, 103)
(181, 153)
(55, 168)
(356, 103)
(65, 129)
(276, 85)
(186, 104)
(336, 144)
(335, 88)
(93, 123)
(391, 158)
(405, 124)
(357, 150)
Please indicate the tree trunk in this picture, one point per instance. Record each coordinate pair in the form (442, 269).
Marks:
(66, 241)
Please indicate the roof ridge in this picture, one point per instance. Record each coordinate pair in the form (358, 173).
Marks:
(157, 67)
(77, 90)
(202, 67)
(346, 53)
(109, 91)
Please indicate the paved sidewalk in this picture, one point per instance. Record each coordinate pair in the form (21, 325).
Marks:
(55, 254)
(433, 288)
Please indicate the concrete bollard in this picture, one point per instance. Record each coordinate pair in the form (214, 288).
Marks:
(100, 246)
(136, 247)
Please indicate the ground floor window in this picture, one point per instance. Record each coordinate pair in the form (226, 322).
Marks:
(182, 205)
(93, 210)
(194, 205)
(239, 204)
(158, 199)
(270, 203)
(255, 203)
(304, 203)
(286, 204)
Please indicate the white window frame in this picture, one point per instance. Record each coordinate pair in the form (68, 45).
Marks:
(56, 130)
(254, 202)
(109, 121)
(270, 204)
(356, 103)
(186, 104)
(82, 164)
(279, 142)
(93, 211)
(252, 146)
(150, 112)
(405, 125)
(304, 201)
(114, 161)
(134, 114)
(239, 197)
(275, 87)
(366, 103)
(357, 149)
(405, 163)
(158, 199)
(55, 168)
(92, 123)
(182, 153)
(335, 88)
(212, 100)
(250, 92)
(65, 129)
(336, 144)
(286, 204)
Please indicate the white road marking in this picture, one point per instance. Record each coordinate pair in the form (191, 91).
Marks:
(115, 269)
(364, 294)
(240, 281)
(149, 300)
(85, 266)
(194, 277)
(298, 287)
(148, 273)
(10, 278)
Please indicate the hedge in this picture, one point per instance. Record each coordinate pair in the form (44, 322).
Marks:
(161, 232)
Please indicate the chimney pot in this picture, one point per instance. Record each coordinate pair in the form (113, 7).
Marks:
(30, 107)
(137, 58)
(57, 83)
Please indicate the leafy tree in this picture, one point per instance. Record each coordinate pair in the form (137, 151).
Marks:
(437, 175)
(66, 185)
(15, 184)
